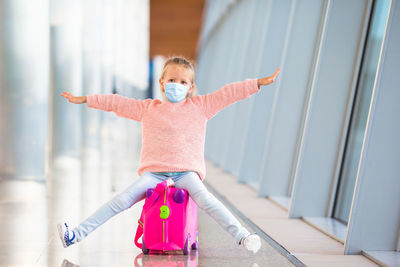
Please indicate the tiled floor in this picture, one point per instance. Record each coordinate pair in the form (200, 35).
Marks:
(301, 240)
(29, 212)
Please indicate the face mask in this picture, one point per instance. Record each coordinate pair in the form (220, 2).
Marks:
(175, 92)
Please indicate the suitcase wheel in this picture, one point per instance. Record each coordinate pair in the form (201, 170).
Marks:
(186, 248)
(144, 249)
(195, 245)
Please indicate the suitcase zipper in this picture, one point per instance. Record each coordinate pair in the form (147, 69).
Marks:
(165, 200)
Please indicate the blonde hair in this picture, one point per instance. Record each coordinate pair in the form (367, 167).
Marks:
(182, 61)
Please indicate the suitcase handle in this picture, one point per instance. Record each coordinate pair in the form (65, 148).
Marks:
(160, 188)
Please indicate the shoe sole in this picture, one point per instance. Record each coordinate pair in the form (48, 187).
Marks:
(255, 249)
(61, 234)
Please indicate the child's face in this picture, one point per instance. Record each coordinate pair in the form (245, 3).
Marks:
(176, 74)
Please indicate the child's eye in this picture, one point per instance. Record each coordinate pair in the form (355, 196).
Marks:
(183, 82)
(171, 80)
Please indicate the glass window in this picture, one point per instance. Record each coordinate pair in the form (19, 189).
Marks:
(360, 110)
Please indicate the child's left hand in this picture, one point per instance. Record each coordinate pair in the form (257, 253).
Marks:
(268, 80)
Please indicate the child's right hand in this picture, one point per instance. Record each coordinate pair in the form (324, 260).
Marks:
(74, 99)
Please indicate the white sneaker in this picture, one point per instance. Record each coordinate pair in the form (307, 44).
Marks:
(251, 242)
(67, 236)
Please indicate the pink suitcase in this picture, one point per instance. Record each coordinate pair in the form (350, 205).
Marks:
(168, 220)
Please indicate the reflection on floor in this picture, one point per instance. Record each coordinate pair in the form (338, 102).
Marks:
(29, 212)
(28, 233)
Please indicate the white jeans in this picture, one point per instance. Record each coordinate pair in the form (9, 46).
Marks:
(189, 181)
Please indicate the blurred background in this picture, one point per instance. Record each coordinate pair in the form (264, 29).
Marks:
(322, 142)
(84, 47)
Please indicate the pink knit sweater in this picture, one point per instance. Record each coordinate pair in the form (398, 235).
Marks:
(173, 134)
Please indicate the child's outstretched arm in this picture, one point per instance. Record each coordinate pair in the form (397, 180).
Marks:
(269, 79)
(122, 106)
(74, 99)
(231, 93)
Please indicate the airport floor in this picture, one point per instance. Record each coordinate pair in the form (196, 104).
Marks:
(75, 188)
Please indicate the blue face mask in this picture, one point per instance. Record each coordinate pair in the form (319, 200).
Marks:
(175, 92)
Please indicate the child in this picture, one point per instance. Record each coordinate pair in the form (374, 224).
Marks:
(173, 136)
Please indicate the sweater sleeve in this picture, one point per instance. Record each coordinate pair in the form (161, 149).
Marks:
(122, 106)
(227, 95)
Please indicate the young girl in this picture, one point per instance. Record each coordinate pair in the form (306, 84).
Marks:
(173, 136)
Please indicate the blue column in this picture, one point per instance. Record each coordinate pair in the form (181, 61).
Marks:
(24, 86)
